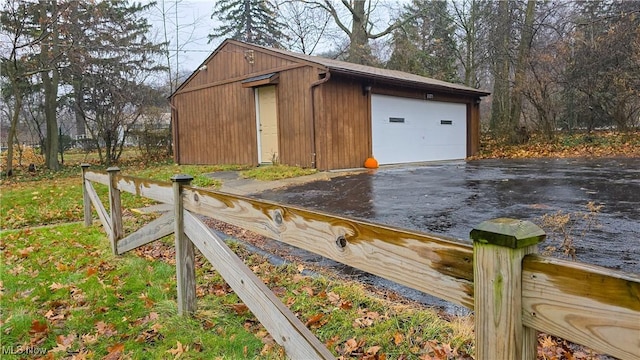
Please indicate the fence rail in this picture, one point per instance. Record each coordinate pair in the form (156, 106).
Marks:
(515, 292)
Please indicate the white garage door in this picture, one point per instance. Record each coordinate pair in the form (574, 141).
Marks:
(410, 130)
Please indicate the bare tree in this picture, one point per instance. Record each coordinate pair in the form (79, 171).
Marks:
(520, 68)
(603, 70)
(360, 15)
(15, 18)
(306, 26)
(178, 32)
(471, 38)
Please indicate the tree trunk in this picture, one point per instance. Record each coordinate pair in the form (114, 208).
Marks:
(520, 69)
(359, 50)
(470, 39)
(50, 81)
(500, 104)
(12, 130)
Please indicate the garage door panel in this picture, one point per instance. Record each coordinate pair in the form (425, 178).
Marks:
(410, 130)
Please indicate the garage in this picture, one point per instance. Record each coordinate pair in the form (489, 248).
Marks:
(249, 104)
(408, 130)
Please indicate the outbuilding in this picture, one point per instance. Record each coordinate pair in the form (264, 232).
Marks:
(248, 104)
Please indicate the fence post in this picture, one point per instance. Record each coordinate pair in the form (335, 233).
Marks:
(117, 230)
(185, 258)
(498, 248)
(86, 201)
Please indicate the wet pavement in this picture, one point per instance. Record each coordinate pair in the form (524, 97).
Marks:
(450, 198)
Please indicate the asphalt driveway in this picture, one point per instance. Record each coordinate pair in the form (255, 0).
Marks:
(450, 198)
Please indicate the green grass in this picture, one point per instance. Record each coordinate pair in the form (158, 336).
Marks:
(55, 197)
(164, 172)
(65, 279)
(61, 285)
(51, 202)
(276, 172)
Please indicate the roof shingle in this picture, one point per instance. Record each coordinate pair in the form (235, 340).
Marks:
(370, 71)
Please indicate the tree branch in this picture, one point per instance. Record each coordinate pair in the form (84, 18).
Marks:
(327, 6)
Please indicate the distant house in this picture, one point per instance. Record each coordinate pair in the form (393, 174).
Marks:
(150, 125)
(249, 104)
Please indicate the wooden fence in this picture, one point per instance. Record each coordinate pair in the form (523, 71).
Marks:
(513, 291)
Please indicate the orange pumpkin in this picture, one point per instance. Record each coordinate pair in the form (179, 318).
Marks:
(371, 163)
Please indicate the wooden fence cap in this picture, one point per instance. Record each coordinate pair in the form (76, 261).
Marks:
(508, 232)
(181, 178)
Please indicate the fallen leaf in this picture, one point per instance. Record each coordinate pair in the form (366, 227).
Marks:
(266, 349)
(290, 301)
(148, 303)
(314, 320)
(398, 338)
(26, 251)
(82, 355)
(153, 316)
(52, 316)
(208, 324)
(329, 343)
(373, 350)
(367, 320)
(115, 352)
(333, 297)
(38, 327)
(308, 290)
(178, 350)
(56, 286)
(105, 329)
(297, 278)
(279, 291)
(346, 305)
(197, 347)
(240, 308)
(350, 345)
(88, 339)
(63, 343)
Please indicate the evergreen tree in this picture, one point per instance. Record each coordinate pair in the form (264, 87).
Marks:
(425, 44)
(252, 21)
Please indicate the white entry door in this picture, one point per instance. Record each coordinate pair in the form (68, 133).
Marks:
(411, 130)
(267, 124)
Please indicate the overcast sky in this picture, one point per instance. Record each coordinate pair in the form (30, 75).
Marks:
(188, 22)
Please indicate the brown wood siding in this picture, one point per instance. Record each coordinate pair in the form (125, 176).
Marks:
(343, 134)
(217, 126)
(294, 114)
(232, 61)
(473, 129)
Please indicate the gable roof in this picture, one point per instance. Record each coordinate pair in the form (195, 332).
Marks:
(348, 68)
(364, 71)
